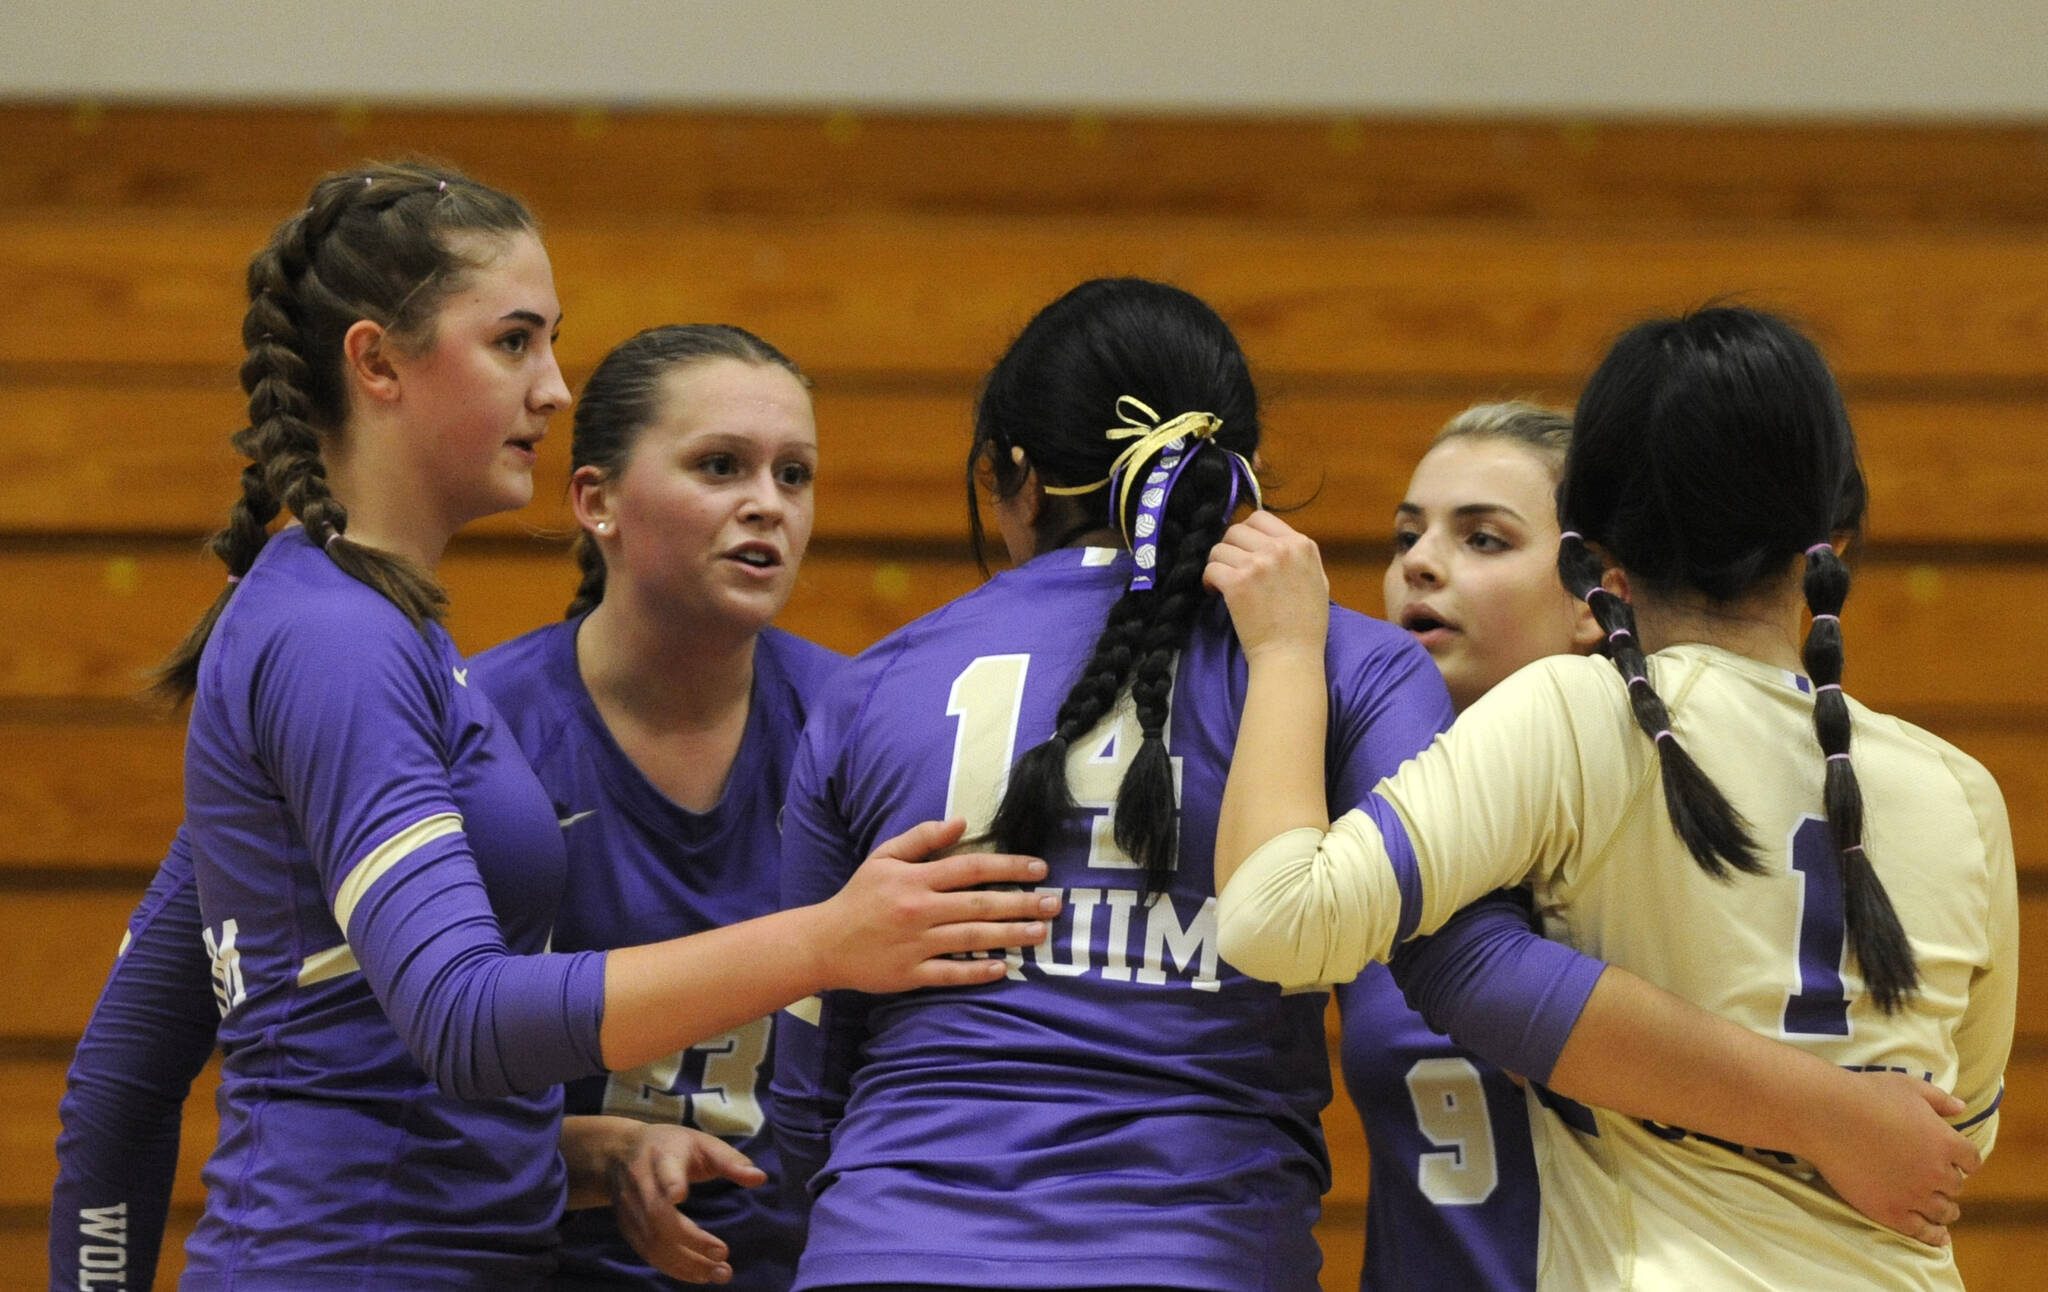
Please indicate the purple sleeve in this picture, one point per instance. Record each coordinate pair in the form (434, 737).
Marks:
(124, 1096)
(480, 1020)
(1497, 987)
(814, 1062)
(363, 763)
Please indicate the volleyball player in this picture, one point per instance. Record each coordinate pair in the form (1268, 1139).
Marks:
(1696, 814)
(694, 456)
(694, 453)
(377, 867)
(1127, 1109)
(1453, 1198)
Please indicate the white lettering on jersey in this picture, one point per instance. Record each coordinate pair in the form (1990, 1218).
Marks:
(103, 1262)
(1120, 901)
(574, 817)
(1450, 1108)
(1164, 935)
(724, 1101)
(461, 676)
(228, 990)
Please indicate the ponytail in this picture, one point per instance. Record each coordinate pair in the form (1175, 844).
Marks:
(1882, 951)
(1145, 633)
(1712, 830)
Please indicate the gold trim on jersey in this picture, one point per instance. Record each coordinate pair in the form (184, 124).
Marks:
(334, 962)
(384, 856)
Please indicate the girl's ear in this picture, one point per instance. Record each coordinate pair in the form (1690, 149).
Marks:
(366, 364)
(1030, 495)
(590, 497)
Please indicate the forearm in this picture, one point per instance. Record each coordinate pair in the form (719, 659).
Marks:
(1276, 770)
(1644, 1052)
(667, 996)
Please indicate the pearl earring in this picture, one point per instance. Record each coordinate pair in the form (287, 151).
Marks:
(604, 527)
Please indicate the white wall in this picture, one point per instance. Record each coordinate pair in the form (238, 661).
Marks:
(1980, 58)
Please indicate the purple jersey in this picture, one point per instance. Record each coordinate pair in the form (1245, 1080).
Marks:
(378, 870)
(1454, 1196)
(1123, 1107)
(644, 869)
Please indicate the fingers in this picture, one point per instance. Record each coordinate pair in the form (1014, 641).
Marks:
(958, 973)
(972, 868)
(680, 1248)
(671, 1178)
(954, 939)
(721, 1161)
(664, 1236)
(1941, 1100)
(923, 839)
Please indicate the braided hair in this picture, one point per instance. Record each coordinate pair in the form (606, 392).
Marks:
(1051, 395)
(1710, 452)
(384, 243)
(624, 396)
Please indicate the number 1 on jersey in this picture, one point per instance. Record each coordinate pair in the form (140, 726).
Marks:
(1821, 1005)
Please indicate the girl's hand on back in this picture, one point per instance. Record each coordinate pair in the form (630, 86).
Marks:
(1893, 1157)
(1271, 576)
(899, 915)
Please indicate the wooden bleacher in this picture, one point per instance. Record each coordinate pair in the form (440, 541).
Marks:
(1382, 274)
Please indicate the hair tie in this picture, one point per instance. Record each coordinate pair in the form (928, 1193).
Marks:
(1842, 757)
(233, 579)
(1595, 590)
(1571, 533)
(333, 537)
(1167, 446)
(1837, 619)
(1854, 847)
(1665, 734)
(1818, 548)
(1619, 632)
(1827, 686)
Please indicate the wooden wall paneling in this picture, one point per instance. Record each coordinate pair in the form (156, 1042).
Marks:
(593, 162)
(149, 455)
(1505, 303)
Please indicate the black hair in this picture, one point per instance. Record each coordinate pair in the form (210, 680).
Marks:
(1710, 451)
(1053, 395)
(383, 242)
(624, 396)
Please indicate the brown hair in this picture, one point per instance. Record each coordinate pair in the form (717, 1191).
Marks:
(624, 396)
(384, 243)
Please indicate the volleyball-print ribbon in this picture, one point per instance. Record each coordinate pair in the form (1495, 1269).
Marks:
(1168, 446)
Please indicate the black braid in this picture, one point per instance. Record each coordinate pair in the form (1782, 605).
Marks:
(1713, 831)
(1882, 951)
(1147, 805)
(1037, 797)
